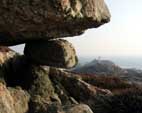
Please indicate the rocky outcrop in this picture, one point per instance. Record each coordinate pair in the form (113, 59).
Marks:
(6, 55)
(13, 100)
(23, 21)
(41, 70)
(51, 89)
(71, 88)
(56, 53)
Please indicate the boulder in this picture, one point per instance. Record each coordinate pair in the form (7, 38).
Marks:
(13, 100)
(56, 53)
(26, 20)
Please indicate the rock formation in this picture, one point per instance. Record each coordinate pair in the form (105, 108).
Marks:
(39, 24)
(56, 53)
(51, 89)
(13, 100)
(27, 20)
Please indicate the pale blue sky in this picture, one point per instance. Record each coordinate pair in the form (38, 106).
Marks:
(121, 37)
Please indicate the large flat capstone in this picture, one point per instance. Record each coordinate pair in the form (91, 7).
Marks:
(25, 20)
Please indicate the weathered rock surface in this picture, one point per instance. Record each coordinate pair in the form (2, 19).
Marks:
(6, 54)
(75, 87)
(51, 90)
(46, 99)
(41, 90)
(46, 87)
(13, 100)
(26, 20)
(80, 108)
(57, 53)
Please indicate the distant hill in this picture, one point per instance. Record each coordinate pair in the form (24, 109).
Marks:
(106, 67)
(99, 67)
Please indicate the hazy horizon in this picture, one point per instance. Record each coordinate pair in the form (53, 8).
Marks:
(123, 62)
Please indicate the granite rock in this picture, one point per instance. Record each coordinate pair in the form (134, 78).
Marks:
(26, 20)
(41, 90)
(56, 53)
(13, 100)
(52, 90)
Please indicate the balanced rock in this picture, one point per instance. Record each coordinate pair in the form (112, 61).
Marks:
(26, 20)
(57, 53)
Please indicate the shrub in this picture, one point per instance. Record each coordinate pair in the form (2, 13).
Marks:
(129, 101)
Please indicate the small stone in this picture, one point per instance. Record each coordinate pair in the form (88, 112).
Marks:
(56, 53)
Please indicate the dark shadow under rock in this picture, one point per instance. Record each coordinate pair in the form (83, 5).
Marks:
(6, 55)
(41, 90)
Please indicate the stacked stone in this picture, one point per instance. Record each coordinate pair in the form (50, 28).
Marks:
(56, 53)
(40, 24)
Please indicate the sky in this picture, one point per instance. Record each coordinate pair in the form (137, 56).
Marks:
(122, 36)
